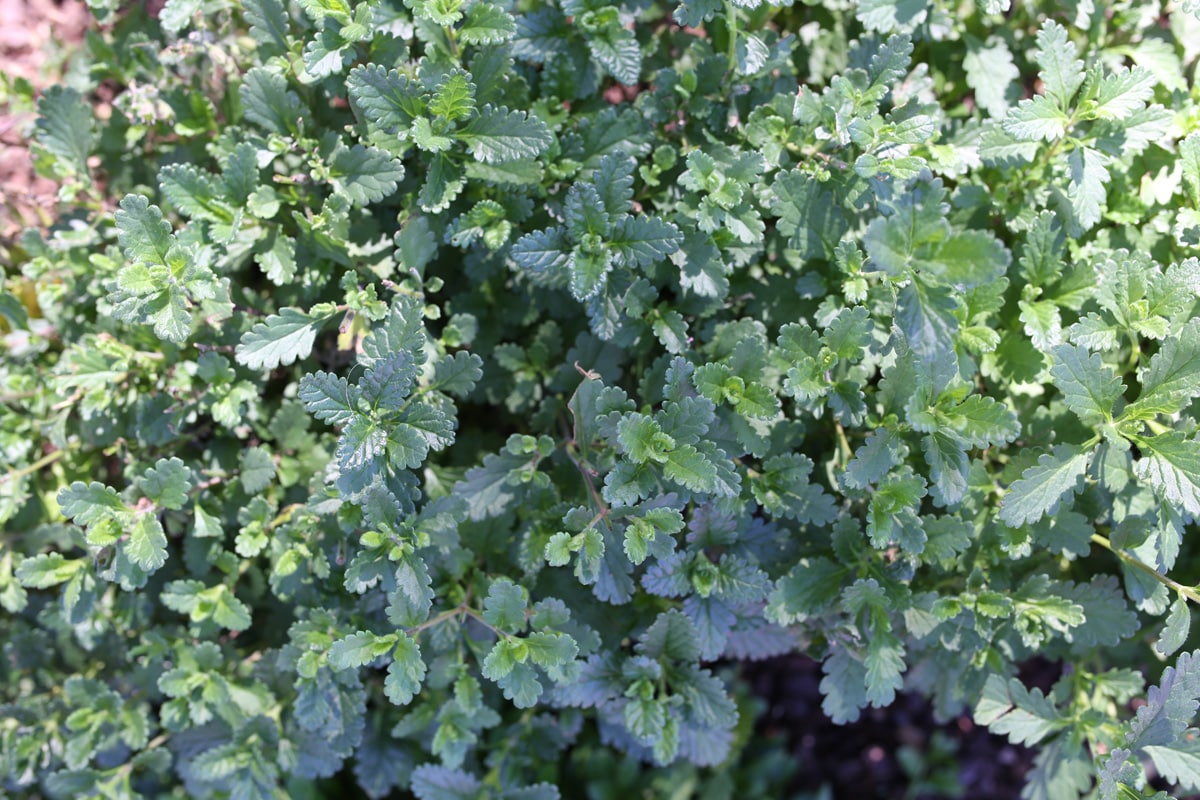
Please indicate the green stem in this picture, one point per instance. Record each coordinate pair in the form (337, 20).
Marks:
(731, 22)
(44, 461)
(1184, 591)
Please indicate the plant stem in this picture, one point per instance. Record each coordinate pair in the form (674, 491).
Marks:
(731, 22)
(44, 461)
(1188, 592)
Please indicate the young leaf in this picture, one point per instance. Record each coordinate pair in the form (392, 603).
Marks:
(1170, 463)
(281, 339)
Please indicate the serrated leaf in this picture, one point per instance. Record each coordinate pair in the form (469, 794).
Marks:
(641, 241)
(406, 672)
(1041, 487)
(1087, 192)
(89, 503)
(256, 469)
(487, 23)
(329, 398)
(1173, 378)
(47, 569)
(1036, 119)
(1123, 92)
(1089, 386)
(1062, 73)
(389, 100)
(1007, 708)
(267, 101)
(499, 135)
(504, 607)
(1170, 463)
(281, 339)
(167, 483)
(1176, 629)
(365, 174)
(359, 649)
(66, 128)
(688, 467)
(147, 542)
(142, 232)
(551, 649)
(457, 373)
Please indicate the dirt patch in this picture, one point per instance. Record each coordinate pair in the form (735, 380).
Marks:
(36, 37)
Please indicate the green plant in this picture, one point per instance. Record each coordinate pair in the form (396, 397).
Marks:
(456, 386)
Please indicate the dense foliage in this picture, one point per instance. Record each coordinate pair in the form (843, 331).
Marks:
(445, 396)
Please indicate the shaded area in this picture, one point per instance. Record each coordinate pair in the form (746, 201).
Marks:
(899, 752)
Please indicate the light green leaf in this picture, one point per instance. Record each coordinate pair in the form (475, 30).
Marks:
(1170, 463)
(359, 649)
(147, 543)
(487, 23)
(1062, 73)
(48, 569)
(1041, 487)
(1035, 119)
(1089, 386)
(1173, 378)
(88, 503)
(66, 129)
(281, 339)
(406, 672)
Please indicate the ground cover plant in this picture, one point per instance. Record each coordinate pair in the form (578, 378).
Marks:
(446, 398)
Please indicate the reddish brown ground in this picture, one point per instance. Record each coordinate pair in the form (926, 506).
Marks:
(36, 37)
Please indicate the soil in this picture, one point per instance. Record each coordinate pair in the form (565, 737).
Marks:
(867, 758)
(36, 36)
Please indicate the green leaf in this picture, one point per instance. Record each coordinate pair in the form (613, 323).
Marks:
(268, 23)
(256, 469)
(551, 649)
(1038, 118)
(89, 503)
(588, 272)
(281, 339)
(1041, 487)
(48, 569)
(1089, 386)
(1170, 463)
(454, 97)
(688, 467)
(505, 604)
(1062, 73)
(268, 102)
(487, 23)
(1175, 632)
(1123, 92)
(388, 100)
(359, 649)
(1007, 708)
(1173, 378)
(142, 232)
(364, 174)
(457, 373)
(147, 543)
(329, 398)
(1088, 169)
(167, 483)
(406, 672)
(641, 241)
(499, 135)
(617, 51)
(66, 128)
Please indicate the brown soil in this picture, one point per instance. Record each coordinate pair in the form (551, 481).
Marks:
(36, 37)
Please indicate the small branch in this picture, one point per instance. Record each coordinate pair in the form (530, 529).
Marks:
(44, 461)
(1184, 591)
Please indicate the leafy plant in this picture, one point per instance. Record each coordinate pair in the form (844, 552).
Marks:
(447, 396)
